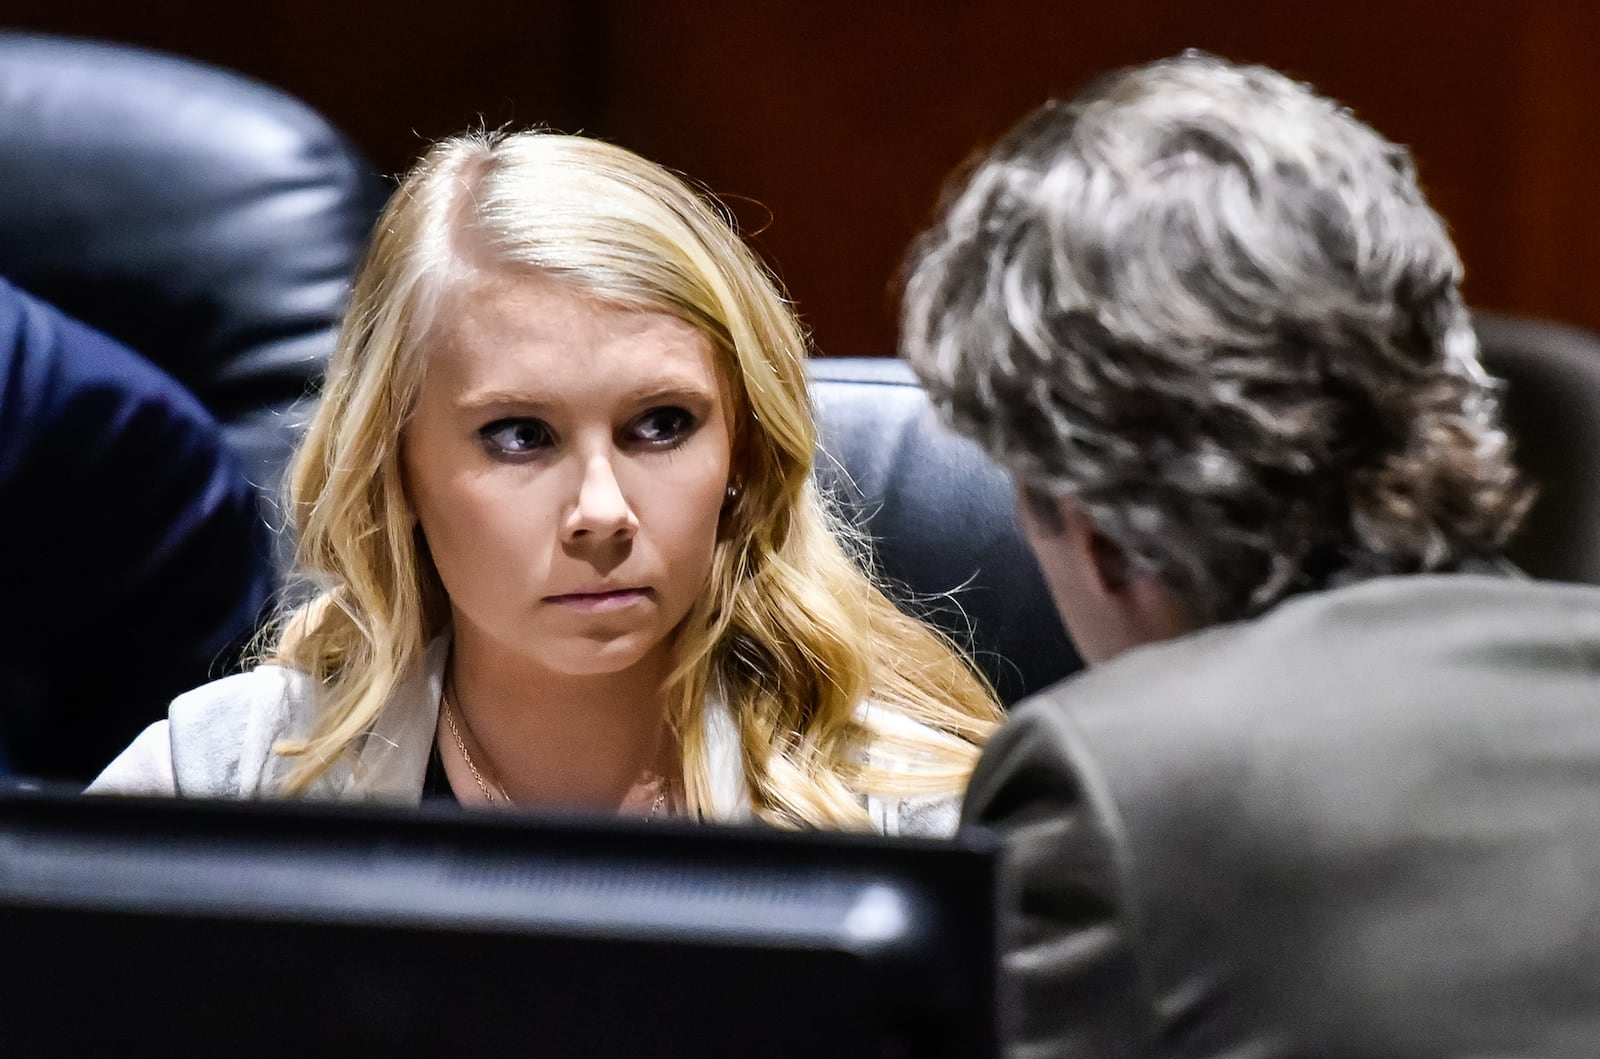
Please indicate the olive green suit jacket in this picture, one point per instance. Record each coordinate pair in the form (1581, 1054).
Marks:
(1365, 824)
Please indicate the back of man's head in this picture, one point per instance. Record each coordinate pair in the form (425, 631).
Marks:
(1215, 309)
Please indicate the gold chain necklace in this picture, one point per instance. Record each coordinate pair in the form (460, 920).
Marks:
(477, 777)
(461, 745)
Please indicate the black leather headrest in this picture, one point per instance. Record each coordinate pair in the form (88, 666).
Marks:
(941, 519)
(1552, 408)
(207, 221)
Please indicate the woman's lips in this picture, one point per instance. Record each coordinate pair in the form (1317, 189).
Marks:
(600, 602)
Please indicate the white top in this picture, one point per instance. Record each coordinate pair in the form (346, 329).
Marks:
(217, 743)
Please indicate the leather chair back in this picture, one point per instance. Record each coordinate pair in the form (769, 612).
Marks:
(1552, 408)
(940, 519)
(209, 222)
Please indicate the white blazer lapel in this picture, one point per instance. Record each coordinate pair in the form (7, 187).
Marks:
(393, 760)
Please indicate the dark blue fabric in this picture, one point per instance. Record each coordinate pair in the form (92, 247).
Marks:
(130, 552)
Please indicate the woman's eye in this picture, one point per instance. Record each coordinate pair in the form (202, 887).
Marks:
(663, 427)
(516, 436)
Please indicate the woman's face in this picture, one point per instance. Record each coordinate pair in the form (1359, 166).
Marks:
(568, 461)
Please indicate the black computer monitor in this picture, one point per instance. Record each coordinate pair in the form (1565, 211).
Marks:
(133, 927)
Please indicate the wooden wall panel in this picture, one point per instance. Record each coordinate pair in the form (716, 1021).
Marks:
(392, 76)
(829, 127)
(845, 127)
(1553, 187)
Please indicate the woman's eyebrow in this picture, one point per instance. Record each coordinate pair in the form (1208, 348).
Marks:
(477, 399)
(646, 391)
(668, 391)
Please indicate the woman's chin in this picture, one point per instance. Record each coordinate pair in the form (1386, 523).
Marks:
(583, 657)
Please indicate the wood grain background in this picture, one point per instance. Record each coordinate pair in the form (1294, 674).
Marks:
(829, 127)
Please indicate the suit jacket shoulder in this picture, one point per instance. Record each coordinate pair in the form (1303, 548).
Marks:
(1343, 819)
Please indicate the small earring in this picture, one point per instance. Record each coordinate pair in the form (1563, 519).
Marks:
(732, 493)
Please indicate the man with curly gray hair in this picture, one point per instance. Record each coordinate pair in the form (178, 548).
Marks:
(1309, 803)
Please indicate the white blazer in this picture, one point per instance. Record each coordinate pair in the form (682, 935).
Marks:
(217, 743)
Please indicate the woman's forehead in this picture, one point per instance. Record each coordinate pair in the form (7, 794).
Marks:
(532, 334)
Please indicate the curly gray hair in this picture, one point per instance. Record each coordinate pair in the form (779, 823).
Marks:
(1216, 308)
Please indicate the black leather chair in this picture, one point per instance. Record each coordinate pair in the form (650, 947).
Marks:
(941, 521)
(208, 222)
(212, 225)
(1552, 407)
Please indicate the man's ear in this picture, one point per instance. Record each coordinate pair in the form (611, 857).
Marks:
(1103, 557)
(1063, 522)
(1108, 560)
(1149, 607)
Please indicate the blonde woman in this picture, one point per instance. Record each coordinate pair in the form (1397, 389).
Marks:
(557, 503)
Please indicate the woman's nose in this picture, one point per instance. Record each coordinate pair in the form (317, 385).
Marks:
(601, 509)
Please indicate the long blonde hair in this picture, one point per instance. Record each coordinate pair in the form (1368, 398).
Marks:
(789, 631)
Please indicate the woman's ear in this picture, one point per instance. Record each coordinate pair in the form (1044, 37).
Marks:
(730, 500)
